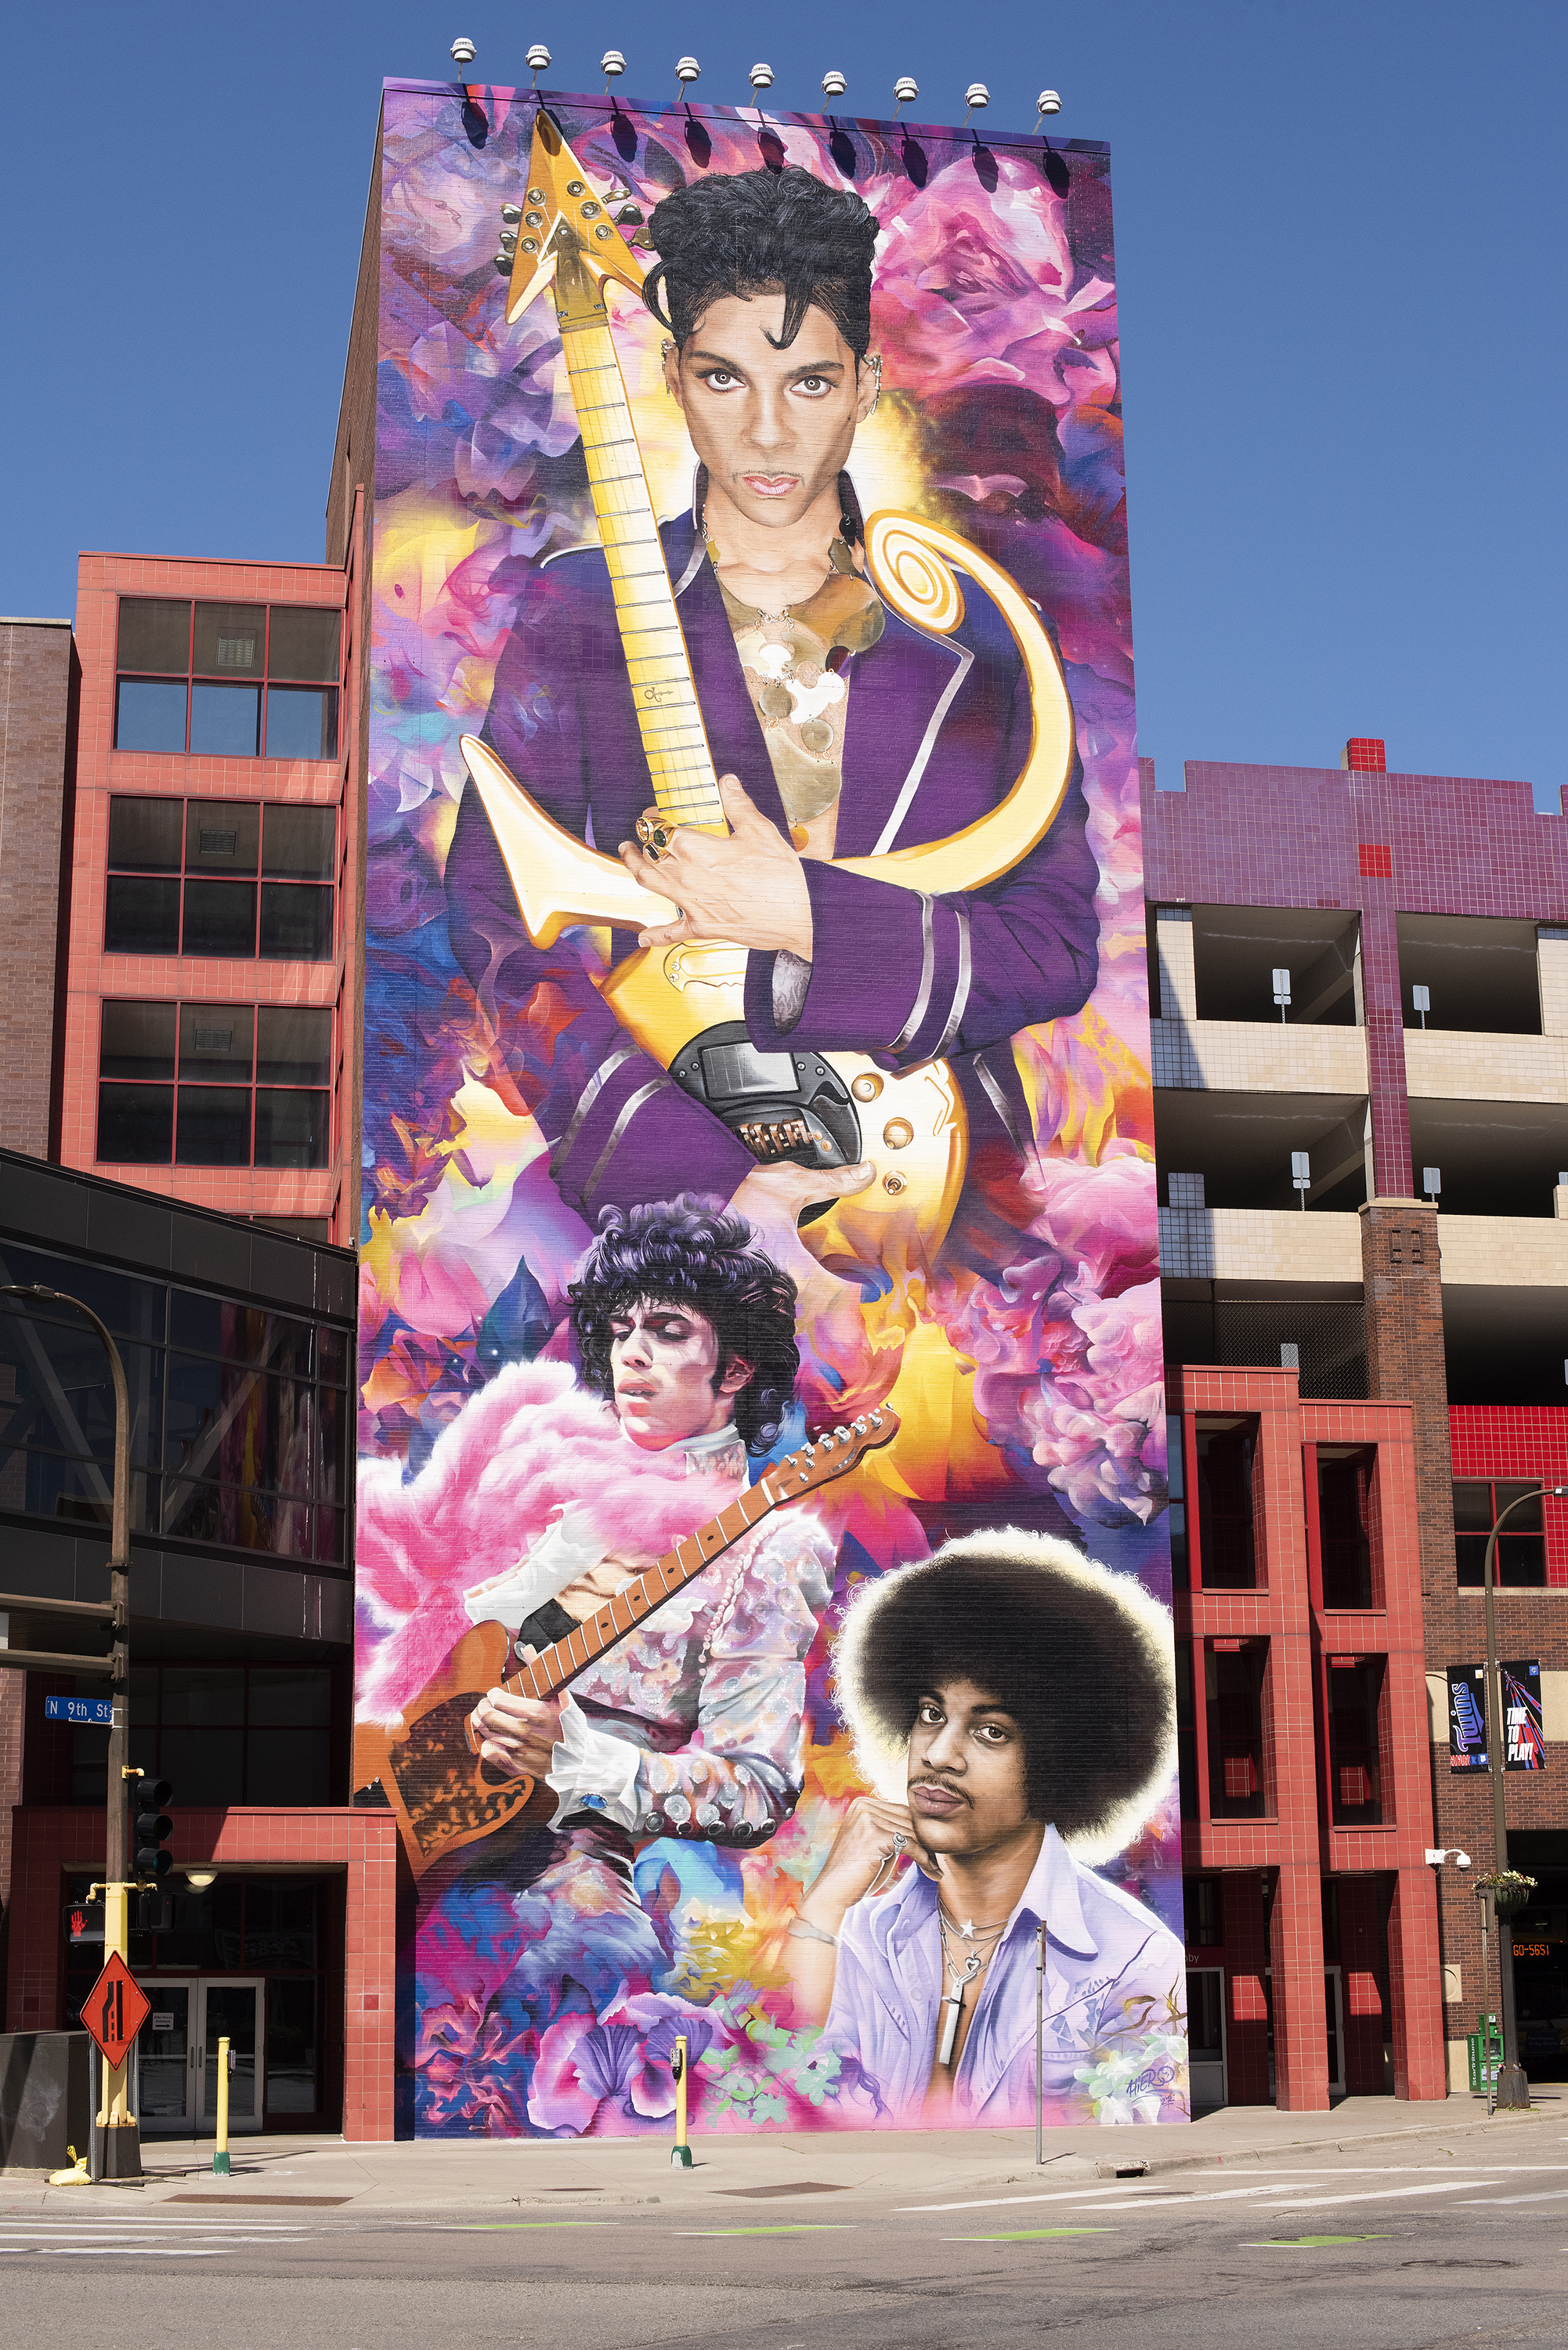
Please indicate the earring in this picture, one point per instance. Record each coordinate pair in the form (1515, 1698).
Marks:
(877, 371)
(665, 347)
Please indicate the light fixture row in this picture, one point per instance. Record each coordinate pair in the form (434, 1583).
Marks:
(906, 89)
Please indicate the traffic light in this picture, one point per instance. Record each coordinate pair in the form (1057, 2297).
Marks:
(151, 1829)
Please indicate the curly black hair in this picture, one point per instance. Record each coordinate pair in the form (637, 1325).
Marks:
(749, 233)
(1079, 1656)
(684, 1252)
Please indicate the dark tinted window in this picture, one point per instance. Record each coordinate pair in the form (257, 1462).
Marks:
(304, 643)
(220, 918)
(144, 836)
(225, 721)
(296, 923)
(291, 1129)
(215, 1127)
(229, 639)
(221, 835)
(137, 1040)
(294, 1047)
(141, 917)
(148, 716)
(155, 634)
(215, 1041)
(135, 1125)
(299, 842)
(301, 722)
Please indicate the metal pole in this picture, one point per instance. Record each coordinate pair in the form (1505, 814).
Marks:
(1039, 2049)
(121, 2142)
(1512, 2088)
(221, 2153)
(680, 2152)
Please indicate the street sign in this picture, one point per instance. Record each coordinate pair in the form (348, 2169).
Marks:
(98, 1710)
(84, 1922)
(115, 2009)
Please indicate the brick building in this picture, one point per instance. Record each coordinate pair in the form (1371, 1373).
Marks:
(1361, 1062)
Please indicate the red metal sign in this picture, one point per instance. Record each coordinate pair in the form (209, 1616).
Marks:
(115, 2009)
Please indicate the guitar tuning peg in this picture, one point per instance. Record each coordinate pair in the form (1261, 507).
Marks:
(842, 1433)
(860, 1427)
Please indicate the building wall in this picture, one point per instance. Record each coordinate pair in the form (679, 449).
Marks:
(330, 1192)
(1273, 1869)
(37, 710)
(52, 1842)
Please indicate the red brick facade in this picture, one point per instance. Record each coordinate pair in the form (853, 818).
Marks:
(37, 707)
(52, 1844)
(1274, 1867)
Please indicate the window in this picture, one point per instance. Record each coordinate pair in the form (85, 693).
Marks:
(238, 878)
(1354, 1767)
(1347, 1522)
(229, 681)
(1186, 1731)
(1175, 1472)
(239, 1418)
(1520, 1560)
(1205, 1930)
(1226, 1545)
(213, 1084)
(1234, 1673)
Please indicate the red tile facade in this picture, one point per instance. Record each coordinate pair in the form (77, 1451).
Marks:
(330, 1192)
(52, 1844)
(1273, 1870)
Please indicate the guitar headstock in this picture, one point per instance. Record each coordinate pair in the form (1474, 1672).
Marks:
(822, 1458)
(561, 216)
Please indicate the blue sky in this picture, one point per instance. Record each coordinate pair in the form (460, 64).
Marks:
(1340, 239)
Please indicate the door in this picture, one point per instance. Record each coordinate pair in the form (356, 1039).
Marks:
(1333, 2015)
(1206, 2036)
(178, 2054)
(166, 2081)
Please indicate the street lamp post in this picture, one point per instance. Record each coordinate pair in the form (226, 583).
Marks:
(1512, 2087)
(122, 2145)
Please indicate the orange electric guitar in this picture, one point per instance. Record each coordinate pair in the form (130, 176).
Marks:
(425, 1760)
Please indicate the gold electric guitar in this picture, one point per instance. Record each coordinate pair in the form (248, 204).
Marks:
(684, 1004)
(426, 1760)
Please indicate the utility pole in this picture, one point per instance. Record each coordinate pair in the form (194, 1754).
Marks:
(121, 2139)
(1512, 2087)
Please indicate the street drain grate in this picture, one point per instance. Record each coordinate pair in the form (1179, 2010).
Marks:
(796, 2186)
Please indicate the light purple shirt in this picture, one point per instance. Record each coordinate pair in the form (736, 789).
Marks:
(1114, 2003)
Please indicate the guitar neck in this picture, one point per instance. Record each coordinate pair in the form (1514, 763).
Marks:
(563, 1660)
(668, 718)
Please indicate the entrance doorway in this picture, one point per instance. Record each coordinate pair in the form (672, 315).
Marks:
(177, 2054)
(1334, 2016)
(1206, 2037)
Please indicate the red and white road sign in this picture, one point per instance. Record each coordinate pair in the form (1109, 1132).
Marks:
(115, 2009)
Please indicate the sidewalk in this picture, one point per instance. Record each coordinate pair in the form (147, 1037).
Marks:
(488, 2178)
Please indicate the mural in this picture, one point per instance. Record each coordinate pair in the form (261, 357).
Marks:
(763, 1583)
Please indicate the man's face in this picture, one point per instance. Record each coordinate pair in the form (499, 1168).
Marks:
(664, 1365)
(966, 1788)
(774, 427)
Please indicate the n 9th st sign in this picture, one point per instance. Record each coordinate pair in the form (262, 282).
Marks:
(115, 2009)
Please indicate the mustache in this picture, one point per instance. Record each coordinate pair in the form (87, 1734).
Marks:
(942, 1786)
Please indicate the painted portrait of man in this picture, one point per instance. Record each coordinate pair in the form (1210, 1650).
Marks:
(837, 728)
(1014, 1706)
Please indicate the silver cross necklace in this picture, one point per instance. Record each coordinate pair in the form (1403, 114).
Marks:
(963, 1967)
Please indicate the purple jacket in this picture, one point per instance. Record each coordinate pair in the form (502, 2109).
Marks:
(943, 722)
(1114, 1990)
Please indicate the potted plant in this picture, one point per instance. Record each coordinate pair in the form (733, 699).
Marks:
(1510, 1889)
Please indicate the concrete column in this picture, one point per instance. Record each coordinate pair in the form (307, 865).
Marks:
(1177, 968)
(1551, 954)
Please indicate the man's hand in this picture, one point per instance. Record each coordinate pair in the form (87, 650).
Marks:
(869, 1845)
(773, 1199)
(746, 888)
(517, 1734)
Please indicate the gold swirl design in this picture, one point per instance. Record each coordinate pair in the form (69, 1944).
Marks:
(912, 575)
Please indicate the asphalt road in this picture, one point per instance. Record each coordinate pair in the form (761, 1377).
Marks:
(1323, 2254)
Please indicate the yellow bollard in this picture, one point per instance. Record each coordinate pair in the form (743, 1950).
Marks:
(680, 2153)
(221, 2157)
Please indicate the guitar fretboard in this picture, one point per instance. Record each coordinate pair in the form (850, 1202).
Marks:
(563, 1660)
(668, 718)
